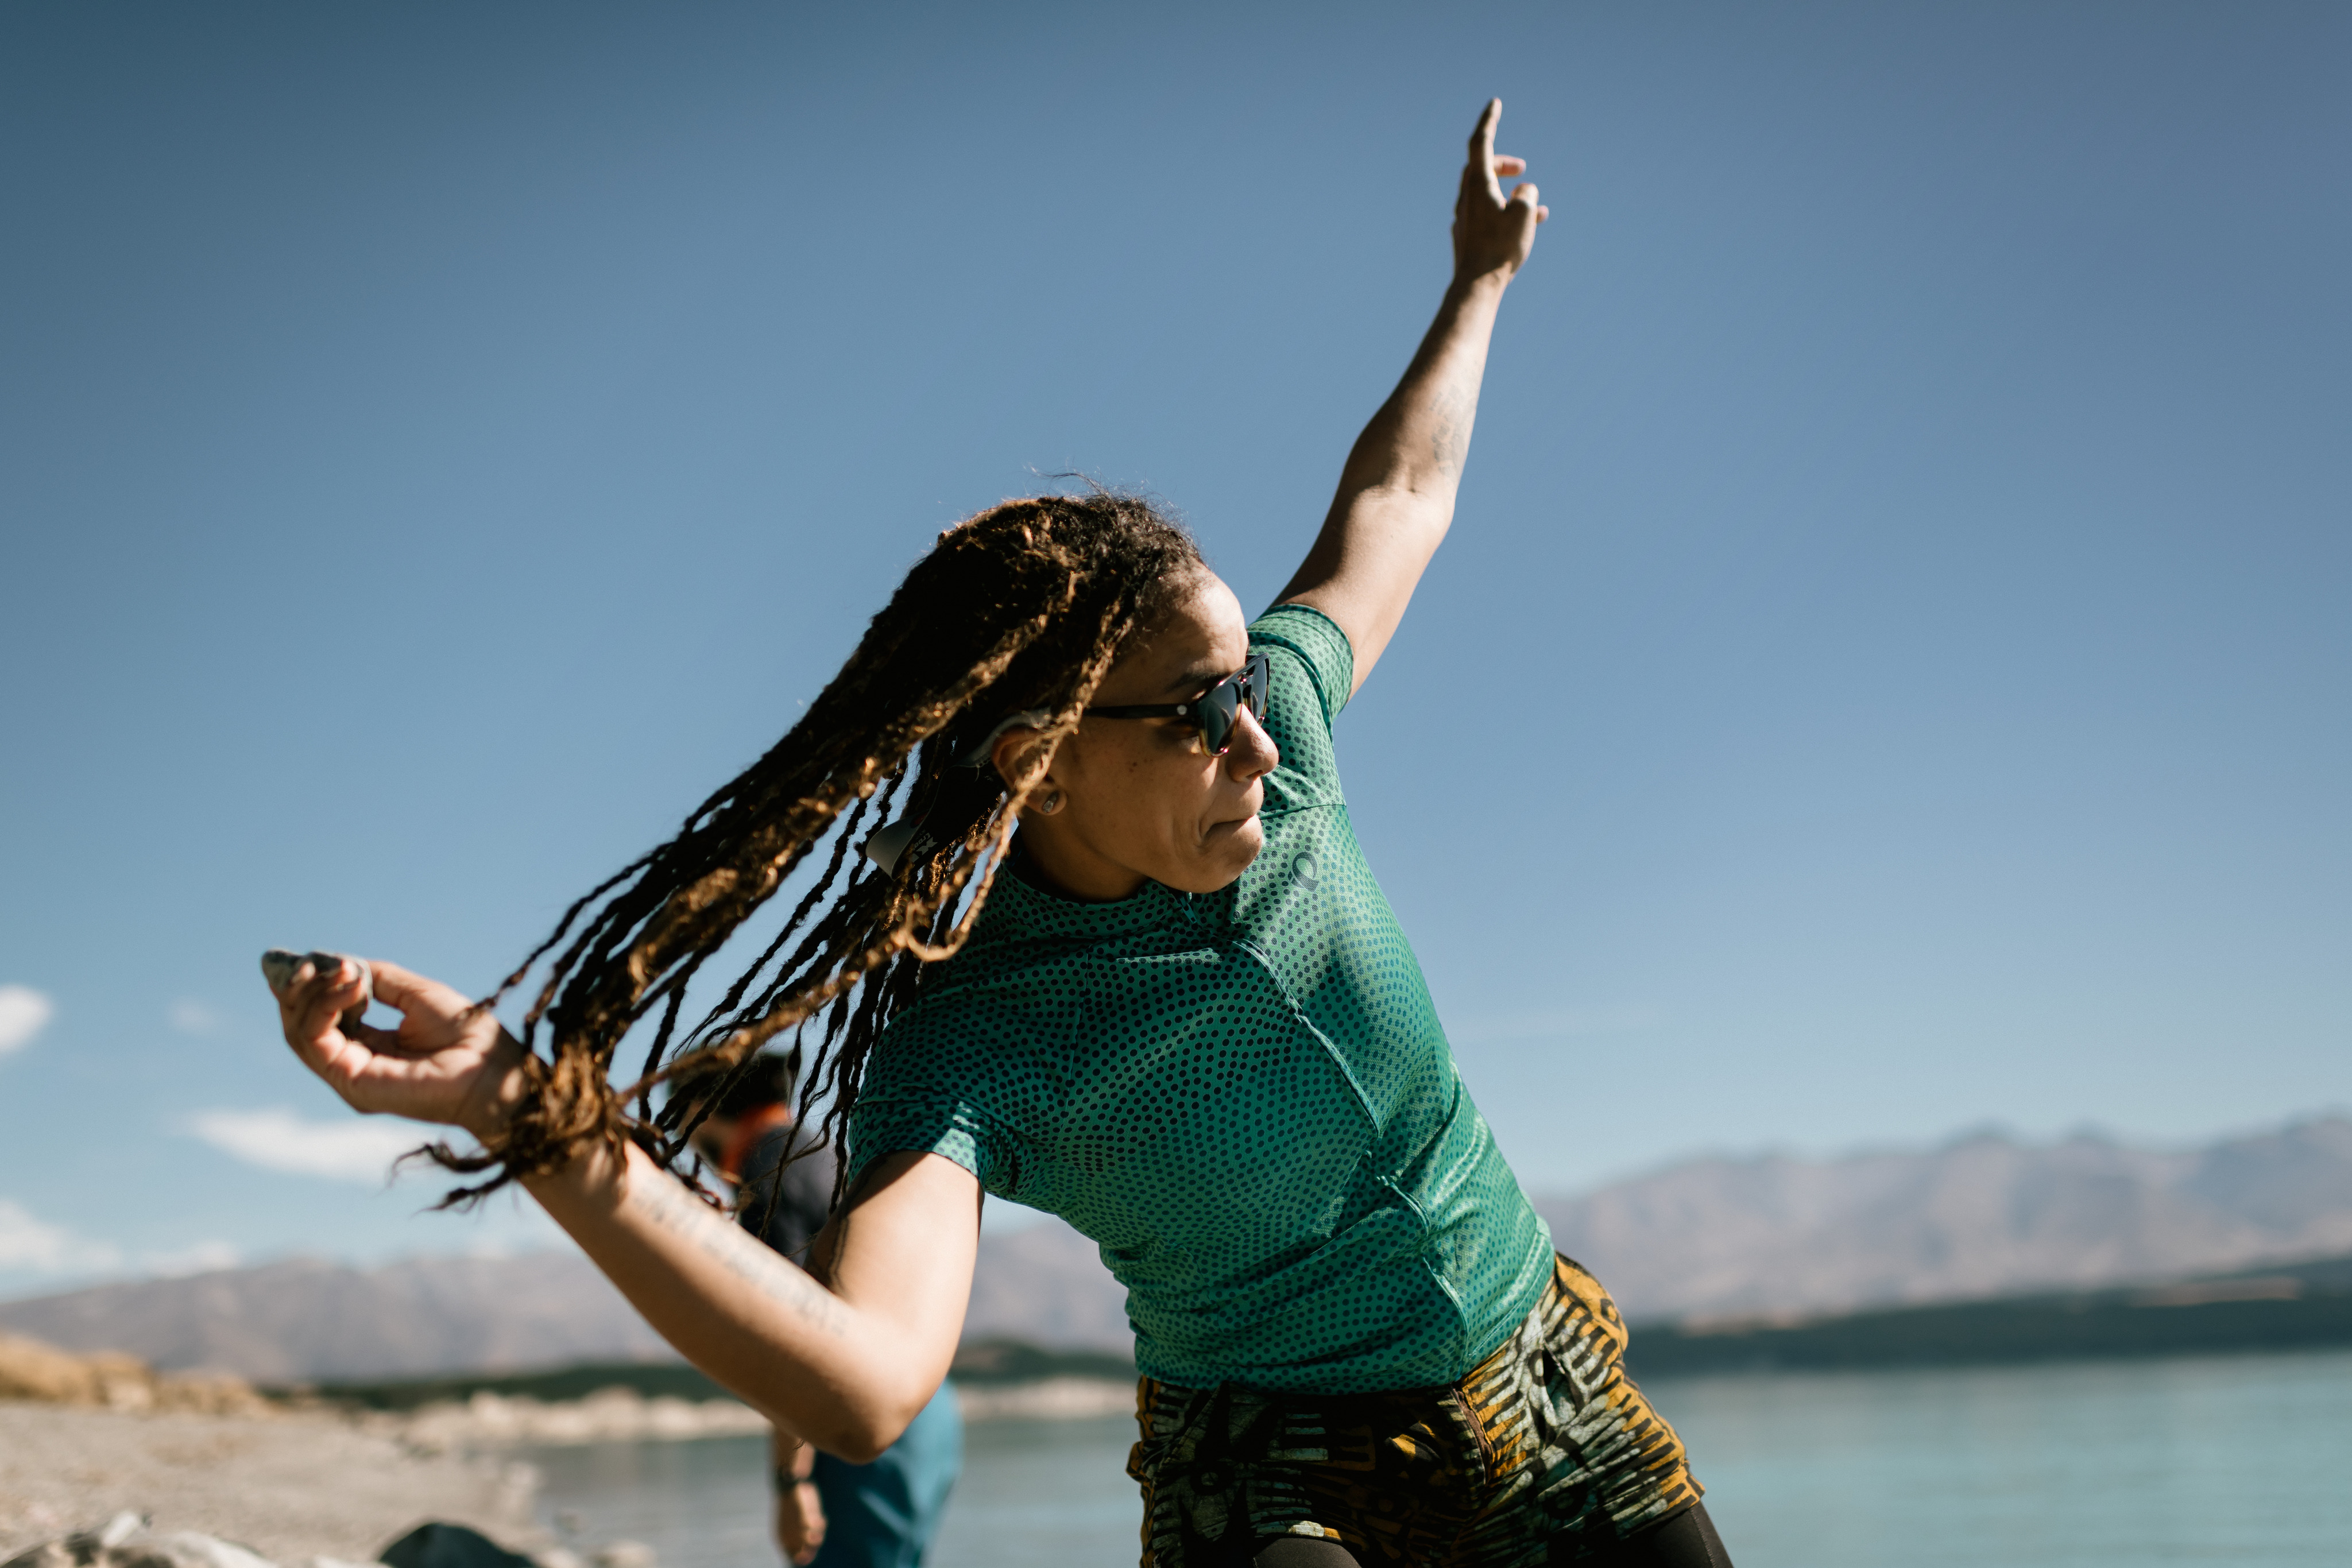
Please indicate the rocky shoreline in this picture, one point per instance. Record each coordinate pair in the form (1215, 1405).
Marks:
(287, 1485)
(294, 1486)
(89, 1439)
(97, 1444)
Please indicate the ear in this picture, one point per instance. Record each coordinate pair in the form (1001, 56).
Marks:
(1009, 748)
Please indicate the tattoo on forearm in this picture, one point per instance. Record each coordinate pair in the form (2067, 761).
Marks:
(1445, 447)
(1450, 415)
(674, 1211)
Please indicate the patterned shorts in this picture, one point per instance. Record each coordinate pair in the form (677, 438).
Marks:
(1545, 1453)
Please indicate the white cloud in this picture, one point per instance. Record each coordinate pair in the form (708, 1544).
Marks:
(190, 1016)
(198, 1258)
(23, 1013)
(44, 1249)
(346, 1149)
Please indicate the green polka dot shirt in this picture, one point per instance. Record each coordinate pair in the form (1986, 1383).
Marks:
(1244, 1098)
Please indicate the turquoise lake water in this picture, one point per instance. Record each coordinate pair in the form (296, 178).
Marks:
(2239, 1459)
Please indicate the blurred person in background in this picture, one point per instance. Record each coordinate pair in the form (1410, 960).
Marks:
(830, 1514)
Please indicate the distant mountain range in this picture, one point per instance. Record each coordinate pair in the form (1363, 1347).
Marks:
(305, 1321)
(1983, 1216)
(2280, 1307)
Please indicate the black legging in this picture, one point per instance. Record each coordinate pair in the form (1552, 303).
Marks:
(1686, 1540)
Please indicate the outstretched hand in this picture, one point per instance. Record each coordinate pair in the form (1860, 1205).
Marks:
(448, 1061)
(1492, 233)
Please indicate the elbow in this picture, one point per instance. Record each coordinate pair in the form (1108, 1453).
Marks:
(867, 1448)
(864, 1431)
(1414, 509)
(864, 1441)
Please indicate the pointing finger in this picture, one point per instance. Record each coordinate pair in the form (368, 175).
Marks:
(1481, 147)
(1481, 135)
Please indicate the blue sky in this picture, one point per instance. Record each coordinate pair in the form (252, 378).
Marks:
(1890, 672)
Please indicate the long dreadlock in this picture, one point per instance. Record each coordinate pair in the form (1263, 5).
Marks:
(1017, 610)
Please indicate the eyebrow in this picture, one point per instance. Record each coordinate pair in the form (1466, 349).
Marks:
(1194, 681)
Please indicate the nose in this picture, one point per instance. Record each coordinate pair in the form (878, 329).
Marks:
(1250, 753)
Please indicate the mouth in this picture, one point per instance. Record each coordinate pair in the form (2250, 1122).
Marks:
(1219, 831)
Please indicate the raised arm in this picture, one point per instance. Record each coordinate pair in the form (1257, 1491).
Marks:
(844, 1364)
(1396, 493)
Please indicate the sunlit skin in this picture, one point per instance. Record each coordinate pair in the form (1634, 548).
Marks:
(799, 1522)
(1139, 799)
(845, 1359)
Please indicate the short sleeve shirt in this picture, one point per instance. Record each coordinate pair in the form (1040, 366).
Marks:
(1244, 1098)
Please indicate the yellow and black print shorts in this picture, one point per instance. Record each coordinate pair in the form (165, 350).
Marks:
(1544, 1453)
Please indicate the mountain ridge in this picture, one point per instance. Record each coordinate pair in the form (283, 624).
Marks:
(1982, 1216)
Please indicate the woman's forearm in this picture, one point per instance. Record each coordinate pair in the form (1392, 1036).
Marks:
(1396, 492)
(1415, 446)
(845, 1370)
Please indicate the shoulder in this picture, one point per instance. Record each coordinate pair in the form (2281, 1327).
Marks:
(941, 1080)
(1017, 991)
(982, 1061)
(1322, 649)
(1310, 671)
(995, 1048)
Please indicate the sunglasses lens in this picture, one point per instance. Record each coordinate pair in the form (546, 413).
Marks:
(1221, 705)
(1218, 705)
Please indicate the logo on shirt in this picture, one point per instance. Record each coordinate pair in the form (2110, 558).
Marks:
(1305, 870)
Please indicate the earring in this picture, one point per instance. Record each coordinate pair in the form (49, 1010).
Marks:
(1049, 803)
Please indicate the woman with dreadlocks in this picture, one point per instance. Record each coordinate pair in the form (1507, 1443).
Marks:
(1116, 956)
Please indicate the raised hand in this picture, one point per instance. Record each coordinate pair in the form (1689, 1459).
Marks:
(448, 1061)
(1492, 233)
(1396, 493)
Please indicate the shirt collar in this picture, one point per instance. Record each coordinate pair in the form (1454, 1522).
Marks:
(1018, 906)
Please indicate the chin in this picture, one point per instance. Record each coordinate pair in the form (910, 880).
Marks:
(1228, 854)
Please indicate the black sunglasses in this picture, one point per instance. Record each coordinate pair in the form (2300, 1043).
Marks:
(1216, 710)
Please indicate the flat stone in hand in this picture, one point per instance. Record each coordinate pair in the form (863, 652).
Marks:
(278, 967)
